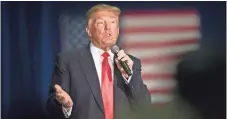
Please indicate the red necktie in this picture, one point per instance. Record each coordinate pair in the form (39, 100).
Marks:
(107, 87)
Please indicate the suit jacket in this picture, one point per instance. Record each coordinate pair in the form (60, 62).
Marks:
(75, 72)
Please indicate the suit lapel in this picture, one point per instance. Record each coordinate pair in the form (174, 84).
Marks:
(120, 105)
(88, 66)
(117, 74)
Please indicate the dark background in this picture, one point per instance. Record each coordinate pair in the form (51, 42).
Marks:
(31, 38)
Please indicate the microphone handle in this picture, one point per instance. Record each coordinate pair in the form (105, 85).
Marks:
(126, 67)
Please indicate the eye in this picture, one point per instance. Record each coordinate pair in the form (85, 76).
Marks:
(99, 22)
(113, 22)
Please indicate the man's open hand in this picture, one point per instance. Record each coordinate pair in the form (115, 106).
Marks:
(63, 97)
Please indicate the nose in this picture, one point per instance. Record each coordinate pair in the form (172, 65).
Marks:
(107, 29)
(107, 26)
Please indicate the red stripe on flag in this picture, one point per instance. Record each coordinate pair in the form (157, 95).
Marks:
(161, 58)
(176, 42)
(161, 91)
(160, 29)
(137, 13)
(157, 76)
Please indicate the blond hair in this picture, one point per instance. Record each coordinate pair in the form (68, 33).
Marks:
(99, 7)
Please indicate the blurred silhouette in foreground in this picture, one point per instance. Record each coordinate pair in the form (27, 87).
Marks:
(201, 78)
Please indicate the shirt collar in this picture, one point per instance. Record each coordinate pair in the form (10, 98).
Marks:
(98, 51)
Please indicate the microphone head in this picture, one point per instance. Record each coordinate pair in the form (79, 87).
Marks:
(115, 49)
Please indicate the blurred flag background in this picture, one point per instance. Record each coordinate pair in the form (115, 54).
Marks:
(159, 38)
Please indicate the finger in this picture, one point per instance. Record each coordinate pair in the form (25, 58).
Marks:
(121, 69)
(58, 88)
(68, 103)
(116, 60)
(118, 65)
(59, 95)
(62, 97)
(125, 59)
(120, 54)
(125, 74)
(129, 62)
(128, 59)
(59, 98)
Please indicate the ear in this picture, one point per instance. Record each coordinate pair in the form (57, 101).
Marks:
(118, 30)
(88, 32)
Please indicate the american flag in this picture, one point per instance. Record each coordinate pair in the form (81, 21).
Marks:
(72, 31)
(159, 38)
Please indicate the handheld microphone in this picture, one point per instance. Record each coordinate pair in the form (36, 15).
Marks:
(115, 49)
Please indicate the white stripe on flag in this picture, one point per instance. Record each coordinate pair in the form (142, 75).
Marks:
(160, 83)
(165, 67)
(159, 37)
(160, 21)
(149, 52)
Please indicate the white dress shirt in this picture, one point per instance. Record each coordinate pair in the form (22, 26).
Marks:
(97, 57)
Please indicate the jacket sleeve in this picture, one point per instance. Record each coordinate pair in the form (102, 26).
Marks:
(137, 91)
(61, 77)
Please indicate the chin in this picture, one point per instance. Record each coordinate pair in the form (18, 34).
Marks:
(108, 43)
(105, 46)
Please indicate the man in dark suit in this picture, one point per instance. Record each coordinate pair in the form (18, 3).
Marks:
(89, 83)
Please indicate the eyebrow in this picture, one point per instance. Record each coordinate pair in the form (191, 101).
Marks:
(101, 18)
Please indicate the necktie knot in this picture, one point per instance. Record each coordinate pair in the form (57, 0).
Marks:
(105, 55)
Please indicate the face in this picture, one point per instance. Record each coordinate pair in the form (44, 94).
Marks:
(103, 29)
